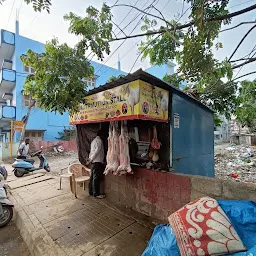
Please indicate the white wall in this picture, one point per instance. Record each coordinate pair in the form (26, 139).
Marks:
(5, 150)
(222, 132)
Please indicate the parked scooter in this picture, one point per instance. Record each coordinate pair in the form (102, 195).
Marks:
(6, 206)
(3, 173)
(24, 166)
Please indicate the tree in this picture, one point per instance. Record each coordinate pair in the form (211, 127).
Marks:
(38, 5)
(58, 83)
(190, 44)
(67, 134)
(114, 78)
(246, 112)
(25, 121)
(174, 80)
(95, 28)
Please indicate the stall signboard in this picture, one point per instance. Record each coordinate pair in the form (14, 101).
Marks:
(134, 100)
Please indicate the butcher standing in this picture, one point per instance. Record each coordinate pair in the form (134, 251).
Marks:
(96, 158)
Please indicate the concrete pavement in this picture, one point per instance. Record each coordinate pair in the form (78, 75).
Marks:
(11, 243)
(53, 222)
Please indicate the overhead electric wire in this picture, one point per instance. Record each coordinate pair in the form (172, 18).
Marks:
(137, 40)
(117, 28)
(187, 25)
(182, 14)
(249, 56)
(10, 14)
(233, 6)
(126, 15)
(101, 65)
(136, 16)
(143, 51)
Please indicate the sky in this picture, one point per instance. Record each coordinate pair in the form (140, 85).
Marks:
(43, 27)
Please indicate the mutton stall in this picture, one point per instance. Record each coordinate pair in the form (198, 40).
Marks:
(152, 131)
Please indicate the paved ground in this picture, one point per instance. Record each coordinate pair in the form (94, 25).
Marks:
(83, 226)
(11, 243)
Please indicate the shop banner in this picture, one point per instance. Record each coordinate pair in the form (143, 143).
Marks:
(134, 100)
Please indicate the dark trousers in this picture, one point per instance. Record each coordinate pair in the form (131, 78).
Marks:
(97, 170)
(21, 157)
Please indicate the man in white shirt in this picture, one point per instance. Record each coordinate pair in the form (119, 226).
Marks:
(96, 158)
(23, 149)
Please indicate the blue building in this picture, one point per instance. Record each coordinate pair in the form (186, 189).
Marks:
(160, 71)
(13, 104)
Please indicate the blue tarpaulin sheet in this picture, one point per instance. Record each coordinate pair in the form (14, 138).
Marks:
(241, 213)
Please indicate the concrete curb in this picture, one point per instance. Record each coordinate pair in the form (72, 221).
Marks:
(33, 233)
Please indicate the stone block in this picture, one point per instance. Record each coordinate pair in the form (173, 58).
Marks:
(181, 180)
(196, 195)
(207, 186)
(238, 191)
(161, 214)
(143, 207)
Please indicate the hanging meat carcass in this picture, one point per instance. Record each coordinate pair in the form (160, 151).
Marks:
(125, 166)
(110, 148)
(155, 144)
(114, 153)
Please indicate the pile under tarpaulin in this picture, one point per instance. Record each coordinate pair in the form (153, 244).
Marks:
(241, 213)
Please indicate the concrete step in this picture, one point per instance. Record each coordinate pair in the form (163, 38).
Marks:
(29, 180)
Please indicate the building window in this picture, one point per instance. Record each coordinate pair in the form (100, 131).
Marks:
(216, 136)
(27, 100)
(34, 135)
(29, 69)
(90, 82)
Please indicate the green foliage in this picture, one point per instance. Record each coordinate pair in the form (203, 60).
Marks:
(246, 112)
(38, 5)
(195, 57)
(114, 78)
(67, 134)
(159, 49)
(58, 82)
(221, 97)
(193, 50)
(174, 80)
(95, 29)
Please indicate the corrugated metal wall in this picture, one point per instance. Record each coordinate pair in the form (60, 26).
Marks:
(193, 141)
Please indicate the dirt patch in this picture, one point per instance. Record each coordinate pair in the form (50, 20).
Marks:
(61, 161)
(236, 163)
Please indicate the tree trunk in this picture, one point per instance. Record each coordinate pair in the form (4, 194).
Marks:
(22, 136)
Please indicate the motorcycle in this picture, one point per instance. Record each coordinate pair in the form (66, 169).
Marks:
(58, 148)
(6, 206)
(24, 166)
